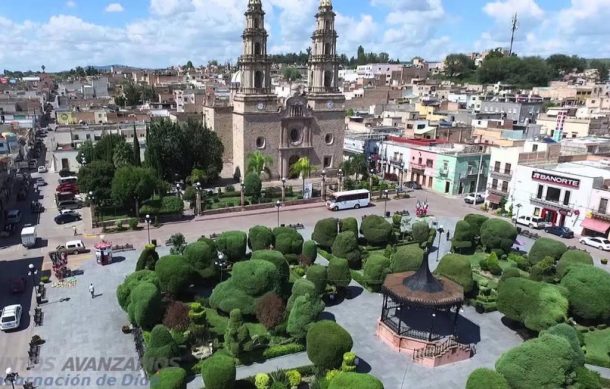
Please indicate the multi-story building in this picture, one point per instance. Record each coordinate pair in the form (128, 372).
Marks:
(519, 113)
(562, 123)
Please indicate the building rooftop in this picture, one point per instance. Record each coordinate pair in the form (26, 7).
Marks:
(590, 169)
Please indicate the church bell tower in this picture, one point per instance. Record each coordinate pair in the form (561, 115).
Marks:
(254, 64)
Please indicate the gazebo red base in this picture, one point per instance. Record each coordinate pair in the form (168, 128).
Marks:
(429, 354)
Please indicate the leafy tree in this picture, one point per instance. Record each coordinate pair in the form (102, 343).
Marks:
(258, 162)
(233, 244)
(458, 269)
(133, 183)
(270, 310)
(304, 312)
(291, 74)
(137, 161)
(145, 306)
(545, 247)
(132, 94)
(288, 241)
(121, 101)
(562, 64)
(201, 256)
(476, 222)
(124, 290)
(218, 371)
(325, 232)
(602, 69)
(86, 152)
(310, 251)
(301, 287)
(105, 147)
(96, 177)
(349, 224)
(205, 149)
(122, 155)
(459, 65)
(483, 378)
(253, 185)
(327, 341)
(588, 292)
(302, 168)
(420, 232)
(148, 258)
(176, 316)
(277, 259)
(375, 270)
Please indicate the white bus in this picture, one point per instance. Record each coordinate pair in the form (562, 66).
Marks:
(350, 199)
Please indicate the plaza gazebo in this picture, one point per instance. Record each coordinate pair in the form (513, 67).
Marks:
(419, 316)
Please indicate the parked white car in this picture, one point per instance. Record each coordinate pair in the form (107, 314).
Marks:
(11, 317)
(532, 222)
(42, 169)
(598, 243)
(474, 198)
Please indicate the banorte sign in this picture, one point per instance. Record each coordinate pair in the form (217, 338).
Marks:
(557, 180)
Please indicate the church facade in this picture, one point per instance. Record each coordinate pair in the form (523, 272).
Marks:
(309, 124)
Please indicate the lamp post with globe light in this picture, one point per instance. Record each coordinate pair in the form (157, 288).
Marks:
(11, 376)
(148, 220)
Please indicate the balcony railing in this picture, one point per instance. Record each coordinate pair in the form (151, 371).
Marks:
(600, 215)
(418, 166)
(498, 191)
(502, 175)
(550, 203)
(443, 172)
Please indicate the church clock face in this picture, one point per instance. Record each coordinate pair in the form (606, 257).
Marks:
(330, 104)
(260, 106)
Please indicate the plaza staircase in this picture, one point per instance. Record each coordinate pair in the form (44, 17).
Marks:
(436, 354)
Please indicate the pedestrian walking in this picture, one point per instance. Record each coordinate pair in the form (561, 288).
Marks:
(448, 235)
(92, 290)
(74, 229)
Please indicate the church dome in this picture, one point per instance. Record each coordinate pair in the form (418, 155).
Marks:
(236, 78)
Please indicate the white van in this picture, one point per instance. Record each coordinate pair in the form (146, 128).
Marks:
(67, 180)
(75, 247)
(28, 237)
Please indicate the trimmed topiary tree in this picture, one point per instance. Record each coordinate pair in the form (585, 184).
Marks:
(355, 380)
(588, 292)
(131, 281)
(476, 221)
(325, 232)
(543, 362)
(339, 273)
(406, 258)
(570, 334)
(349, 224)
(458, 269)
(327, 341)
(270, 310)
(483, 378)
(146, 307)
(346, 246)
(319, 276)
(420, 232)
(260, 238)
(148, 258)
(535, 304)
(463, 238)
(253, 185)
(491, 264)
(543, 270)
(276, 258)
(201, 256)
(288, 240)
(304, 312)
(301, 287)
(573, 258)
(510, 273)
(498, 235)
(545, 247)
(162, 350)
(175, 274)
(376, 230)
(310, 251)
(218, 371)
(169, 378)
(237, 338)
(233, 245)
(375, 269)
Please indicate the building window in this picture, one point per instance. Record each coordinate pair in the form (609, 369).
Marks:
(296, 136)
(566, 198)
(536, 211)
(328, 161)
(505, 187)
(88, 136)
(553, 194)
(76, 137)
(260, 142)
(507, 168)
(603, 206)
(429, 162)
(535, 148)
(540, 190)
(497, 166)
(494, 183)
(329, 139)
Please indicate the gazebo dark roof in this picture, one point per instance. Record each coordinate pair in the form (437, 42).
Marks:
(423, 288)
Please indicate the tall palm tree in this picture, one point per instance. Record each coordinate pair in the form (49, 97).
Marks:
(303, 168)
(258, 162)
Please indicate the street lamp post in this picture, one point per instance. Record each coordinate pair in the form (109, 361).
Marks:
(371, 179)
(283, 189)
(32, 271)
(340, 180)
(221, 263)
(242, 199)
(385, 203)
(148, 226)
(198, 199)
(402, 173)
(278, 204)
(11, 376)
(92, 204)
(440, 231)
(324, 184)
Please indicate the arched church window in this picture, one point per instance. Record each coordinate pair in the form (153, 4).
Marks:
(328, 79)
(258, 79)
(257, 48)
(327, 49)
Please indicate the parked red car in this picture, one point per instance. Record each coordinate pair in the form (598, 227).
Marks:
(67, 188)
(17, 285)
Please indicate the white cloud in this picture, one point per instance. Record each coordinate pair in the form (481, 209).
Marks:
(503, 10)
(170, 7)
(114, 7)
(70, 3)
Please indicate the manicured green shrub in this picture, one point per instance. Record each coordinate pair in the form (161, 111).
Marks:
(545, 247)
(510, 273)
(483, 378)
(573, 258)
(458, 269)
(491, 264)
(148, 258)
(535, 304)
(301, 287)
(376, 230)
(218, 372)
(169, 378)
(233, 245)
(319, 276)
(288, 240)
(201, 257)
(476, 221)
(498, 235)
(522, 262)
(283, 349)
(349, 224)
(237, 338)
(355, 380)
(587, 379)
(146, 307)
(305, 311)
(407, 258)
(175, 274)
(570, 334)
(339, 273)
(463, 237)
(327, 341)
(544, 362)
(277, 259)
(209, 242)
(375, 269)
(294, 378)
(588, 292)
(253, 185)
(260, 238)
(325, 232)
(349, 362)
(228, 296)
(131, 281)
(346, 246)
(420, 232)
(543, 270)
(310, 251)
(162, 350)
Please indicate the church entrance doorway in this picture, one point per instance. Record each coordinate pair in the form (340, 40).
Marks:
(291, 161)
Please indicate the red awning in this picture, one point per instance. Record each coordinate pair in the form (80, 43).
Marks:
(494, 199)
(596, 225)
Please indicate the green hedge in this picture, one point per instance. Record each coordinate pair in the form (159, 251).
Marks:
(346, 246)
(325, 232)
(162, 350)
(301, 287)
(175, 274)
(346, 380)
(407, 258)
(131, 281)
(310, 251)
(288, 240)
(483, 378)
(375, 270)
(233, 244)
(588, 292)
(260, 238)
(319, 276)
(498, 235)
(475, 221)
(339, 272)
(201, 256)
(283, 349)
(349, 224)
(169, 378)
(573, 258)
(218, 372)
(146, 306)
(304, 312)
(170, 205)
(376, 230)
(545, 247)
(327, 341)
(463, 237)
(458, 269)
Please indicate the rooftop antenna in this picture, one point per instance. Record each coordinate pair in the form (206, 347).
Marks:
(515, 26)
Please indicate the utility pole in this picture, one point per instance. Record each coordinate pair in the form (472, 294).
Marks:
(512, 35)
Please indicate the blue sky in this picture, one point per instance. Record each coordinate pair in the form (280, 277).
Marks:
(66, 33)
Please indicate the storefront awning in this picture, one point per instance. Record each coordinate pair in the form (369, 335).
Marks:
(596, 225)
(494, 198)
